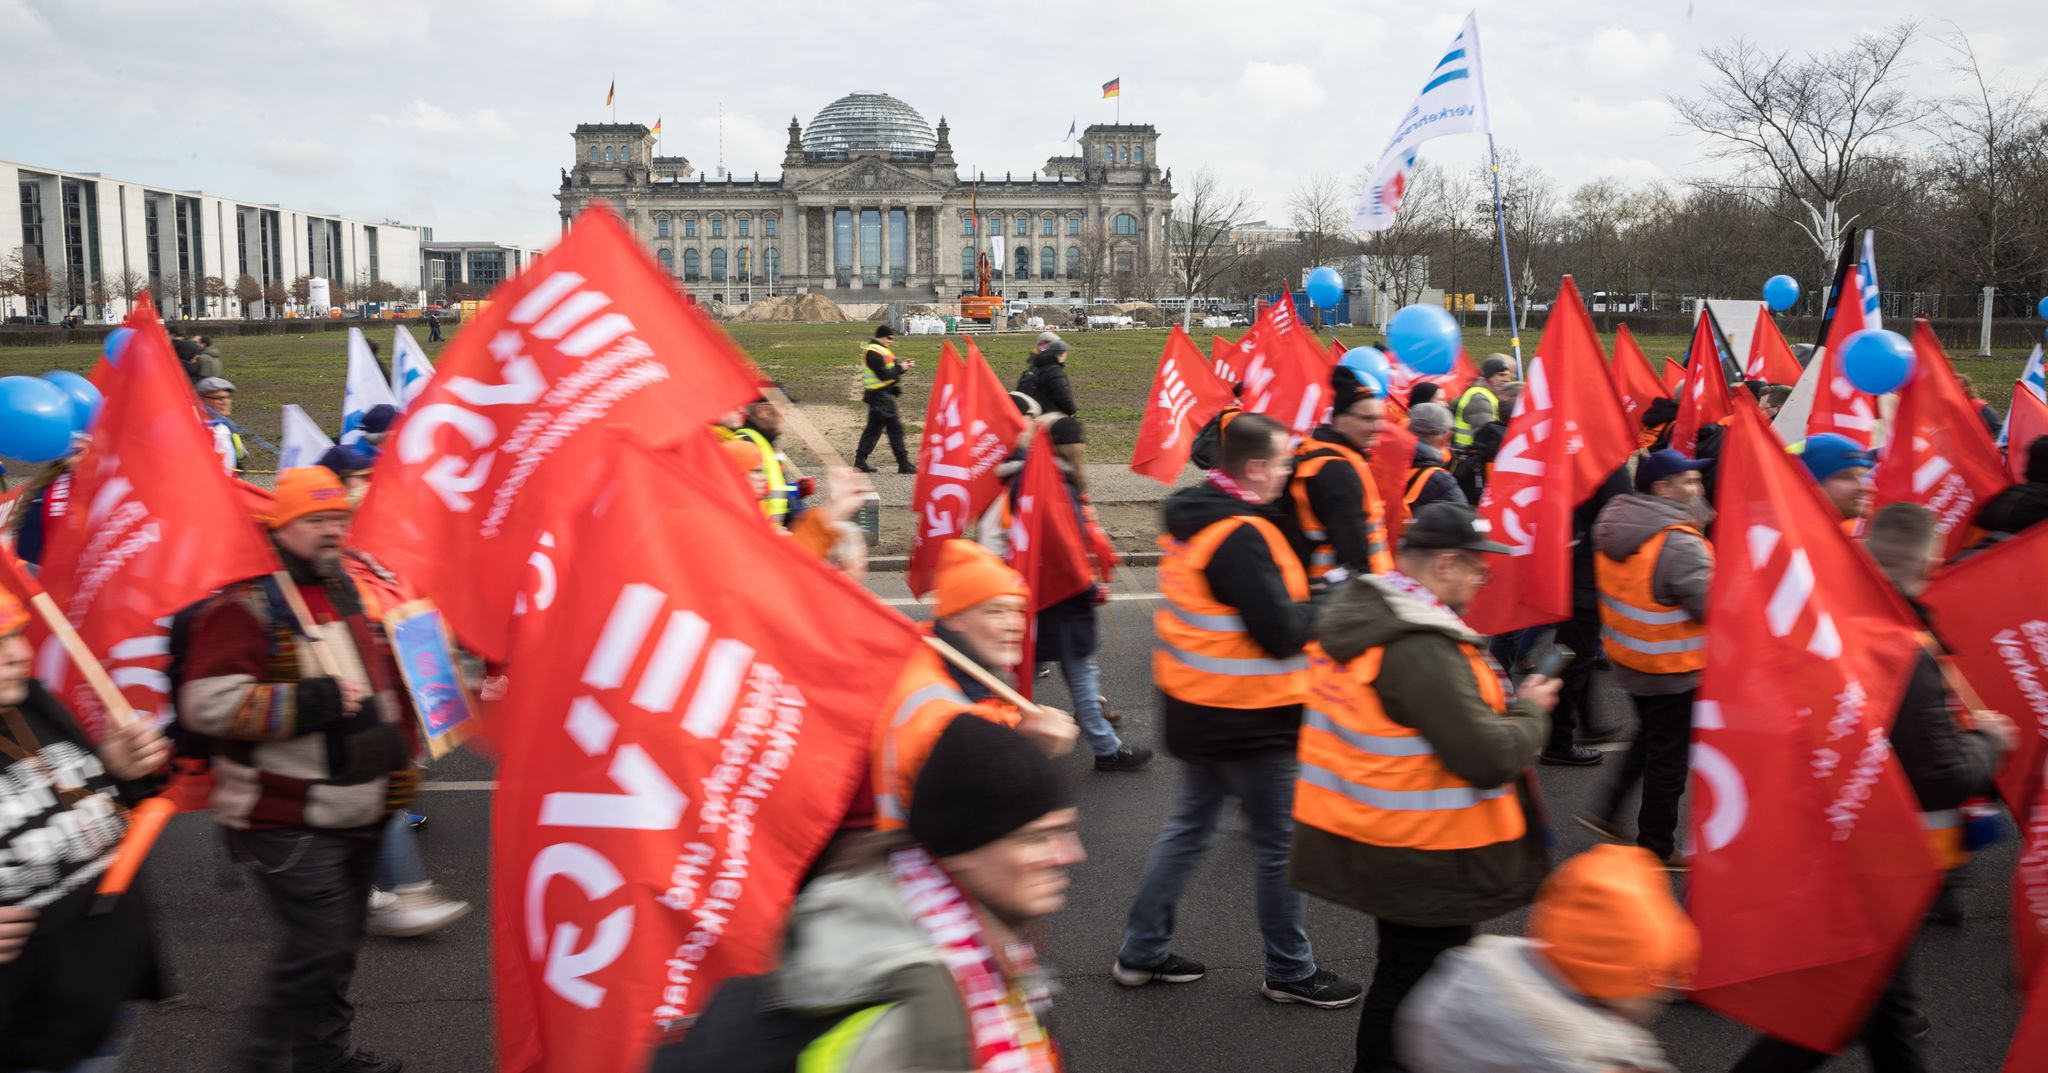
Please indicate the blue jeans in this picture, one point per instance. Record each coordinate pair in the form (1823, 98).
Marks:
(398, 859)
(1264, 783)
(1084, 682)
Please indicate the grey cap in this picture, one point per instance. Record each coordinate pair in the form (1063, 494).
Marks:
(210, 384)
(1496, 364)
(1048, 337)
(1429, 419)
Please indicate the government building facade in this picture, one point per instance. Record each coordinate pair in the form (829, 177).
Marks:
(870, 207)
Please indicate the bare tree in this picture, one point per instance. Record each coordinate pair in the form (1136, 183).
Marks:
(1095, 243)
(215, 289)
(274, 296)
(127, 285)
(1802, 123)
(1395, 260)
(29, 277)
(10, 283)
(248, 292)
(1983, 138)
(1321, 212)
(301, 291)
(1198, 235)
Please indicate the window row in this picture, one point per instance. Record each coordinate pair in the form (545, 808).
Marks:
(622, 154)
(1123, 154)
(663, 228)
(769, 267)
(1048, 266)
(1123, 224)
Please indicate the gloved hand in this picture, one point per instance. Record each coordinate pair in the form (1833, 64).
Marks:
(319, 704)
(806, 487)
(367, 754)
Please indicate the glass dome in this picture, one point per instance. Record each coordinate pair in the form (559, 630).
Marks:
(869, 121)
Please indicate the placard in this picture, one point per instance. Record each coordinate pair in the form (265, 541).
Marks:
(426, 658)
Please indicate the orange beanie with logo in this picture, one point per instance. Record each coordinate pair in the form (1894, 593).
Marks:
(1610, 926)
(969, 575)
(305, 490)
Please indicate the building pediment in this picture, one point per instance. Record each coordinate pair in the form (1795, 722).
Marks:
(870, 176)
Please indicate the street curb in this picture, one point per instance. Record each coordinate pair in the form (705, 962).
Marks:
(896, 564)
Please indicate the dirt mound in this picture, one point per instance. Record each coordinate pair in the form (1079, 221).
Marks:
(794, 308)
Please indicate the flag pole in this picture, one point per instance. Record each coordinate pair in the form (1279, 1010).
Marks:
(110, 697)
(1507, 273)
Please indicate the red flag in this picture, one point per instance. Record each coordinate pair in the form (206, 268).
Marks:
(1566, 436)
(1703, 400)
(1674, 377)
(2026, 422)
(679, 748)
(1393, 453)
(1049, 544)
(1223, 354)
(970, 425)
(497, 448)
(1770, 357)
(1634, 380)
(1337, 349)
(1940, 455)
(2029, 1052)
(1812, 869)
(1837, 405)
(152, 525)
(1286, 375)
(1185, 395)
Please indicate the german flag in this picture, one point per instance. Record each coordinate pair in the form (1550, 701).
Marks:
(1112, 88)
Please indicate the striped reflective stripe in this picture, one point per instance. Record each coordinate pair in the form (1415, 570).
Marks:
(1218, 623)
(889, 806)
(1444, 800)
(1323, 556)
(1942, 820)
(1653, 648)
(1236, 668)
(1366, 743)
(1647, 618)
(886, 803)
(1315, 534)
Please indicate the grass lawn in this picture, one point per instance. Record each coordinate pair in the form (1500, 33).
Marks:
(817, 364)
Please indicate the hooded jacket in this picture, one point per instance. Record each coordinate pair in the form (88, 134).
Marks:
(1684, 570)
(1242, 574)
(1944, 763)
(1426, 683)
(1441, 487)
(1047, 383)
(2013, 510)
(1495, 1006)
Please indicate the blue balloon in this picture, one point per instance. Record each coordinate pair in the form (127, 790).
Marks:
(1325, 287)
(2042, 309)
(1877, 361)
(1424, 338)
(85, 398)
(1369, 362)
(35, 419)
(116, 340)
(1781, 293)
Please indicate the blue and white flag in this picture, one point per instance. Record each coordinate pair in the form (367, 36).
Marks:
(1866, 273)
(302, 443)
(366, 387)
(410, 369)
(1452, 101)
(2034, 378)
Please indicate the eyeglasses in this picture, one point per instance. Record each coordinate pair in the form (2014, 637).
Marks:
(1475, 564)
(219, 396)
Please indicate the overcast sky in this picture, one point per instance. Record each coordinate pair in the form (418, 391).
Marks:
(457, 114)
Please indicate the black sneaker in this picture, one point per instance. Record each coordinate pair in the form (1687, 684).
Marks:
(1576, 756)
(1174, 970)
(1128, 758)
(865, 468)
(1674, 861)
(361, 1061)
(1324, 990)
(905, 467)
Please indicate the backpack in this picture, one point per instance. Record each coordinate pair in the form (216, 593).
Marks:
(1027, 384)
(192, 751)
(746, 1029)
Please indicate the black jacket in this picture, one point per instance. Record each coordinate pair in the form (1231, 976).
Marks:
(1046, 382)
(1945, 763)
(1242, 574)
(1439, 487)
(1336, 492)
(2014, 509)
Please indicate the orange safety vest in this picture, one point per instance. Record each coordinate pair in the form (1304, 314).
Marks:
(1945, 827)
(916, 712)
(1638, 632)
(1418, 479)
(1310, 458)
(1370, 779)
(1204, 656)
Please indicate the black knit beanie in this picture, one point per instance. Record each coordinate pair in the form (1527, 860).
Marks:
(2037, 460)
(981, 782)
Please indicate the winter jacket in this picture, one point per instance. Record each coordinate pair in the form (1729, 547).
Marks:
(1441, 487)
(210, 363)
(60, 996)
(1681, 577)
(1585, 585)
(2014, 509)
(1242, 574)
(1425, 683)
(1046, 382)
(1336, 493)
(1944, 763)
(1495, 1005)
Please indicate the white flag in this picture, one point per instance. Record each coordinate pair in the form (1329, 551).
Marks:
(366, 387)
(995, 252)
(410, 369)
(2033, 378)
(1453, 101)
(302, 443)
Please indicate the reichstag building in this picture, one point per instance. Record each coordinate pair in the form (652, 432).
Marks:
(870, 207)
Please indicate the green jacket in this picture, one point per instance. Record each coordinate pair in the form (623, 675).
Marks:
(1426, 683)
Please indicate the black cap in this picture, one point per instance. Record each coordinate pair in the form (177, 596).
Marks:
(1496, 366)
(1664, 464)
(884, 332)
(1450, 527)
(980, 782)
(1346, 388)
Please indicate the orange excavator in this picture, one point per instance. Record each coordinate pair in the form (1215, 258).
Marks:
(984, 303)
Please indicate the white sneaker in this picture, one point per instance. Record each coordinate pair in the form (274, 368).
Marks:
(413, 911)
(381, 900)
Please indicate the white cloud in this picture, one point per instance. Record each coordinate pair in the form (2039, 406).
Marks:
(1618, 51)
(295, 156)
(1622, 122)
(484, 124)
(1630, 169)
(1281, 83)
(23, 24)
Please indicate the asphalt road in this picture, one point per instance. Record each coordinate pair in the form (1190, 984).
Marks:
(429, 1000)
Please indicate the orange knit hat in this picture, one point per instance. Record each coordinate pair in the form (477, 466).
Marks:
(744, 454)
(1610, 926)
(969, 575)
(305, 490)
(13, 613)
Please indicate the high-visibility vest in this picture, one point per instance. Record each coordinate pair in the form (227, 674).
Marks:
(917, 711)
(1638, 632)
(1418, 479)
(1309, 460)
(1461, 434)
(776, 503)
(1945, 826)
(1370, 779)
(1204, 656)
(868, 380)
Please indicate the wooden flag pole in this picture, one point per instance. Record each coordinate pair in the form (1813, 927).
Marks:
(980, 674)
(118, 709)
(307, 626)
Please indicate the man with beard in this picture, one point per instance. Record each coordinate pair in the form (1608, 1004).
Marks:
(308, 764)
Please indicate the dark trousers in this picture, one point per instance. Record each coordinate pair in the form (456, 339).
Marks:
(318, 886)
(882, 417)
(1660, 758)
(1574, 707)
(1406, 954)
(1893, 1037)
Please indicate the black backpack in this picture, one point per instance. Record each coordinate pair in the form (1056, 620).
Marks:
(745, 1029)
(1027, 383)
(192, 751)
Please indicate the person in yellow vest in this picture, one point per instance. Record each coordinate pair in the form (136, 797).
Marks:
(1480, 404)
(1230, 667)
(1413, 806)
(1840, 466)
(1339, 519)
(783, 500)
(881, 375)
(1653, 565)
(1429, 476)
(1945, 763)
